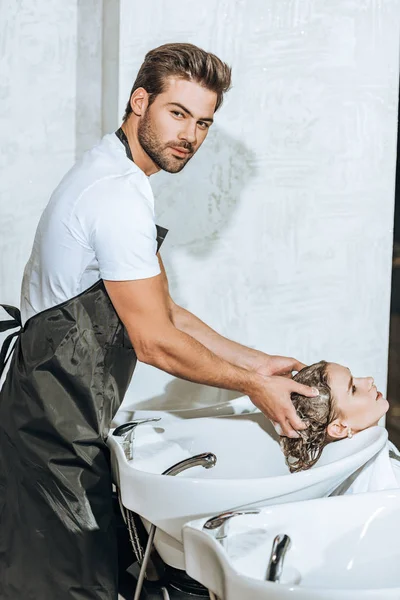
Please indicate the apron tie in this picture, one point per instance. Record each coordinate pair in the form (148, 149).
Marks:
(4, 326)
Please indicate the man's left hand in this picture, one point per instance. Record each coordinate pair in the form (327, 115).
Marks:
(268, 365)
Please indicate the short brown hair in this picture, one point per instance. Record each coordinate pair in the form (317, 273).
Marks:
(317, 412)
(184, 61)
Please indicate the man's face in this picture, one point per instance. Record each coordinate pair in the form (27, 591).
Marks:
(173, 128)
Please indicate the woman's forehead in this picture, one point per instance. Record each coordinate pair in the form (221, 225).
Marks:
(338, 375)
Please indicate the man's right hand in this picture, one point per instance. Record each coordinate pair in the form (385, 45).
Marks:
(272, 397)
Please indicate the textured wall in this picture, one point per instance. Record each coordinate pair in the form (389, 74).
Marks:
(37, 122)
(89, 74)
(281, 226)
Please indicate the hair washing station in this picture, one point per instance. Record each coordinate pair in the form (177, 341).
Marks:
(248, 472)
(296, 552)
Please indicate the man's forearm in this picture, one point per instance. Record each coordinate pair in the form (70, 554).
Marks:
(230, 351)
(183, 356)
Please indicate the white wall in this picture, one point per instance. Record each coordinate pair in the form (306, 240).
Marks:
(281, 226)
(37, 122)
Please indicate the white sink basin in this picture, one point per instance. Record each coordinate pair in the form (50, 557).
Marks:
(343, 548)
(250, 471)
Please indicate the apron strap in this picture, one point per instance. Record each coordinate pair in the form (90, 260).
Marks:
(161, 231)
(4, 326)
(161, 235)
(16, 318)
(120, 133)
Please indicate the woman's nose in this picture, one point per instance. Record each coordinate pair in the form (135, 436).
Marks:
(370, 382)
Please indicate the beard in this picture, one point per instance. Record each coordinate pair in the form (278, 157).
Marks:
(158, 150)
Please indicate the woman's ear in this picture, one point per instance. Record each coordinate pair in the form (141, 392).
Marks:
(337, 430)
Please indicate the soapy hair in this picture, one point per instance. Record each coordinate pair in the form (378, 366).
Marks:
(184, 61)
(303, 452)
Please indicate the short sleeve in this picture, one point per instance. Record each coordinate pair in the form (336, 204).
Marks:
(118, 220)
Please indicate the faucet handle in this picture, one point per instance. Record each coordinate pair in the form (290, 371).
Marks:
(280, 546)
(219, 525)
(127, 431)
(129, 425)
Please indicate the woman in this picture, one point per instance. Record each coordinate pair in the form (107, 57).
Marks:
(345, 406)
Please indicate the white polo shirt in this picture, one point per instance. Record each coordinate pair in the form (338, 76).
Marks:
(98, 224)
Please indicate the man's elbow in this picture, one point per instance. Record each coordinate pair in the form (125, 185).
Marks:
(150, 349)
(147, 353)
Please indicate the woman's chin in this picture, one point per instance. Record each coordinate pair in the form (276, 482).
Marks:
(385, 406)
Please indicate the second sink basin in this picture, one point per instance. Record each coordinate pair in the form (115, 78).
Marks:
(343, 548)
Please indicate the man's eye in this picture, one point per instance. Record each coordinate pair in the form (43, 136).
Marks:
(177, 113)
(203, 125)
(353, 389)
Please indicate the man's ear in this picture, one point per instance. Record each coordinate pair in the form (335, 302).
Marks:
(139, 101)
(337, 430)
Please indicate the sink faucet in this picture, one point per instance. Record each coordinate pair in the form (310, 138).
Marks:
(206, 460)
(218, 525)
(127, 431)
(275, 566)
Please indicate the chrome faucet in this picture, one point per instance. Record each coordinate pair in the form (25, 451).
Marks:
(127, 431)
(275, 566)
(218, 526)
(206, 460)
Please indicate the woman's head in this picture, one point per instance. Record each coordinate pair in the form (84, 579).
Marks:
(345, 404)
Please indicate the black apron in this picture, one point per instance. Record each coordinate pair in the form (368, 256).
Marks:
(69, 371)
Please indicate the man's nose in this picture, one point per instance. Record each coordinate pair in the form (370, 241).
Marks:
(189, 133)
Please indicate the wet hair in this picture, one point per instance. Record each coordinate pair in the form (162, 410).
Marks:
(303, 452)
(184, 61)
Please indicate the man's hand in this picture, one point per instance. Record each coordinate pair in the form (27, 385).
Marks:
(269, 365)
(273, 399)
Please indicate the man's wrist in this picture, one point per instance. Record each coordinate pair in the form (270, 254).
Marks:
(253, 359)
(255, 384)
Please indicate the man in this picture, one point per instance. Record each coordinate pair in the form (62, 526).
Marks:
(94, 298)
